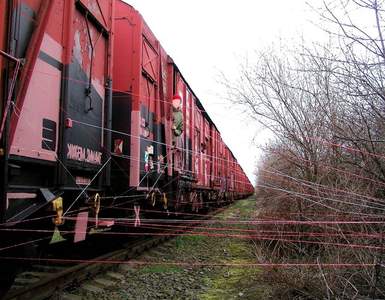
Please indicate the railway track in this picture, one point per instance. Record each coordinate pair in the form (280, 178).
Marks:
(44, 281)
(49, 283)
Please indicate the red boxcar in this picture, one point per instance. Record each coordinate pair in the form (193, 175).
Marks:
(145, 159)
(63, 118)
(55, 110)
(86, 122)
(55, 117)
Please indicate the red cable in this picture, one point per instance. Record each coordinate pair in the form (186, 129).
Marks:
(195, 264)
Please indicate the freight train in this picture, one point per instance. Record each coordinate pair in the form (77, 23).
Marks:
(95, 117)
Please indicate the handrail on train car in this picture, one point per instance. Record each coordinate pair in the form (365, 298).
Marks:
(9, 56)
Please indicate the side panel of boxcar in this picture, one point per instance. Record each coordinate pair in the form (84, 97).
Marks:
(55, 135)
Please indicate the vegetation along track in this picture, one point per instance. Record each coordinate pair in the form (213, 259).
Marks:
(55, 274)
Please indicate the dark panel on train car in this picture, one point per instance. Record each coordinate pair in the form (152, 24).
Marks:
(121, 137)
(152, 154)
(23, 23)
(85, 141)
(87, 113)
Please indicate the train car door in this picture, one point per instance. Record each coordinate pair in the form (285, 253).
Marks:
(85, 92)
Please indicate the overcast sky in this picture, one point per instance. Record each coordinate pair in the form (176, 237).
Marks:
(205, 37)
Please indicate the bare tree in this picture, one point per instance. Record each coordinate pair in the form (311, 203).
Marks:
(326, 107)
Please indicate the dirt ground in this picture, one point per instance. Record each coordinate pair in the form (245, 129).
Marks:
(182, 268)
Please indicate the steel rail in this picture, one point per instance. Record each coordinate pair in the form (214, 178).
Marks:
(55, 283)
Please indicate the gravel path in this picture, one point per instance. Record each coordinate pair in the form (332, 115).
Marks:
(163, 278)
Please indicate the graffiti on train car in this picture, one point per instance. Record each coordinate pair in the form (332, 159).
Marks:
(79, 153)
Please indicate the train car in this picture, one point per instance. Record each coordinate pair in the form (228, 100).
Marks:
(88, 126)
(54, 119)
(55, 100)
(146, 159)
(139, 101)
